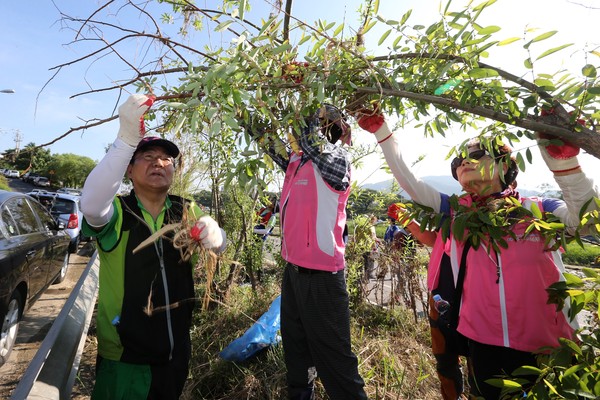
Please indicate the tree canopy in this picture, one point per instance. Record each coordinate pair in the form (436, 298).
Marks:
(263, 73)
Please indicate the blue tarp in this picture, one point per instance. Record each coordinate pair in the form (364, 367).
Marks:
(262, 334)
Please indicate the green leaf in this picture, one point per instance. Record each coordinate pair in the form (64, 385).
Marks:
(504, 383)
(376, 7)
(178, 106)
(483, 5)
(368, 26)
(304, 39)
(280, 49)
(595, 90)
(242, 8)
(545, 83)
(223, 25)
(384, 36)
(338, 30)
(528, 63)
(527, 370)
(530, 101)
(479, 73)
(553, 50)
(231, 122)
(543, 36)
(589, 71)
(321, 92)
(520, 162)
(488, 30)
(508, 41)
(405, 17)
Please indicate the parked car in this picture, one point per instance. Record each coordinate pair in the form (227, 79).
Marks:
(41, 181)
(12, 173)
(29, 177)
(74, 192)
(33, 255)
(37, 191)
(65, 208)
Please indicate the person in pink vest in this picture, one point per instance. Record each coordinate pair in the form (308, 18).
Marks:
(504, 312)
(315, 315)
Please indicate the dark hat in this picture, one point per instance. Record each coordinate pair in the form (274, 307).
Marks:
(152, 141)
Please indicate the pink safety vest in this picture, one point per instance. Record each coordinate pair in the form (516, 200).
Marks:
(510, 309)
(313, 216)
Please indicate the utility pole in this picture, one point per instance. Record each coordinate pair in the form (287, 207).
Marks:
(18, 139)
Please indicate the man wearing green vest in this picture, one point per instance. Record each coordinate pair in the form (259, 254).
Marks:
(146, 298)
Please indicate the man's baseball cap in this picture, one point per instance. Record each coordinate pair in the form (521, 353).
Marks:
(154, 141)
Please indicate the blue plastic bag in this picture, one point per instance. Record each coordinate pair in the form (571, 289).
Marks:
(262, 334)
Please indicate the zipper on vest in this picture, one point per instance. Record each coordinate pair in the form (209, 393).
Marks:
(158, 246)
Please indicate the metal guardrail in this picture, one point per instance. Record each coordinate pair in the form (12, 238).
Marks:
(52, 371)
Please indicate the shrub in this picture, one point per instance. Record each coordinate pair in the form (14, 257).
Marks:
(587, 256)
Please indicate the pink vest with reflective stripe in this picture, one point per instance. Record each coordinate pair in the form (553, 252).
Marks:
(504, 300)
(313, 216)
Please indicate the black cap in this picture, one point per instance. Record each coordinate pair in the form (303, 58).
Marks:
(151, 141)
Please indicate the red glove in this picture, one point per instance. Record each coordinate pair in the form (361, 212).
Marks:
(559, 158)
(370, 120)
(560, 152)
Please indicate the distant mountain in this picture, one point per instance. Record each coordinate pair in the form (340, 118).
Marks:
(445, 184)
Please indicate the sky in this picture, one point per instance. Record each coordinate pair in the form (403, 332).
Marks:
(33, 41)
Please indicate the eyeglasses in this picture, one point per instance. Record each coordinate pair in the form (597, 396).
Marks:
(475, 155)
(151, 158)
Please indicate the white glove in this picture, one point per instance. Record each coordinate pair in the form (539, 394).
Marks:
(131, 118)
(207, 232)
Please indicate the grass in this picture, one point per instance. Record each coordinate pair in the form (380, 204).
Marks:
(4, 184)
(589, 255)
(394, 355)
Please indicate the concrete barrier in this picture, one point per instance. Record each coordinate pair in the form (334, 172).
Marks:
(52, 371)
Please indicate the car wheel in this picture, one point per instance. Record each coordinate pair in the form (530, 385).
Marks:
(63, 270)
(10, 326)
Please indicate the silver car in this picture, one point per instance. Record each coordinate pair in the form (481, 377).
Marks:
(65, 208)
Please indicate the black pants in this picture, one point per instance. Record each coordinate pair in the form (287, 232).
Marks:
(315, 331)
(487, 362)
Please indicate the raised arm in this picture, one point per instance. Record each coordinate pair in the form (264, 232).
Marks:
(576, 187)
(102, 184)
(373, 121)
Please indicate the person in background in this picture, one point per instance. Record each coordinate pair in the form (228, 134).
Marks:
(142, 354)
(267, 219)
(315, 337)
(502, 334)
(366, 233)
(396, 236)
